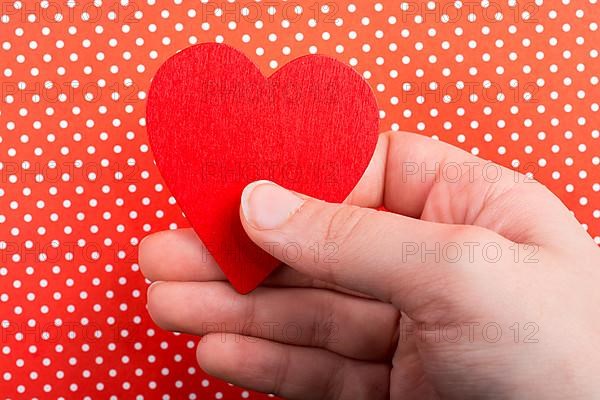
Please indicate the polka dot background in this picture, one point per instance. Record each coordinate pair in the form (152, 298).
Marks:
(515, 82)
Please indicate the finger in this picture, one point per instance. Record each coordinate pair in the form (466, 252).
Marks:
(187, 259)
(177, 255)
(420, 177)
(404, 169)
(358, 248)
(351, 326)
(370, 189)
(291, 372)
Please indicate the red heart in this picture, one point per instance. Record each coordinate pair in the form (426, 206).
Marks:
(215, 124)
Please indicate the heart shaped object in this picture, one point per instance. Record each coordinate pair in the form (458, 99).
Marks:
(215, 124)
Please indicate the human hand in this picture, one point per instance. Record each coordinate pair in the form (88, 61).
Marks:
(476, 282)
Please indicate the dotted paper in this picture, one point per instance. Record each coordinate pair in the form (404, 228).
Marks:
(510, 82)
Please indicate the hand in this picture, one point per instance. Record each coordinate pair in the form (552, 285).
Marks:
(476, 282)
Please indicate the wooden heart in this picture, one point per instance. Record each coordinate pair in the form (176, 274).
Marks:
(215, 124)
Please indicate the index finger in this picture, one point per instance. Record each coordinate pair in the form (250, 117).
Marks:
(417, 176)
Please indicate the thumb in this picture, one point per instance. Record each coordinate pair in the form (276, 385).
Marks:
(374, 252)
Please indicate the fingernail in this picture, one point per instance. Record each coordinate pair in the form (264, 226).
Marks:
(266, 205)
(142, 241)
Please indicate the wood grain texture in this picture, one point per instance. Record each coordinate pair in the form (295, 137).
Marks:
(215, 124)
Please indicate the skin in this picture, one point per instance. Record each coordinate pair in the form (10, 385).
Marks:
(386, 316)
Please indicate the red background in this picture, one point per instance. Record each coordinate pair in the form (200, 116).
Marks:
(79, 189)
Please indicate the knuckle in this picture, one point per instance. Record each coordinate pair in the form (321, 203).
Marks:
(462, 234)
(334, 386)
(343, 224)
(324, 321)
(249, 314)
(281, 370)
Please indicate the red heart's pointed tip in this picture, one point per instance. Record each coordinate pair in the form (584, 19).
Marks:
(245, 289)
(247, 285)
